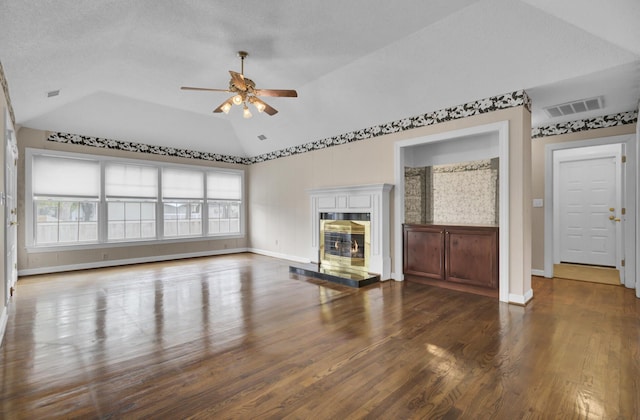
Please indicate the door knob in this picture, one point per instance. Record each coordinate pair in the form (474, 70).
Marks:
(611, 217)
(612, 209)
(617, 219)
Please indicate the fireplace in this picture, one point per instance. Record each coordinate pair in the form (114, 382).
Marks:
(358, 203)
(350, 241)
(345, 241)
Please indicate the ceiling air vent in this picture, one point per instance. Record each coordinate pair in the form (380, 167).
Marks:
(262, 137)
(575, 107)
(53, 93)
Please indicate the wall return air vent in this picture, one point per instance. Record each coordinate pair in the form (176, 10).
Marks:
(575, 107)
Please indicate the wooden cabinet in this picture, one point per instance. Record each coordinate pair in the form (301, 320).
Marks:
(453, 255)
(424, 251)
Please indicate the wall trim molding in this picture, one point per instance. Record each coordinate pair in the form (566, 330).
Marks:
(127, 261)
(5, 88)
(521, 300)
(482, 106)
(279, 255)
(539, 273)
(611, 120)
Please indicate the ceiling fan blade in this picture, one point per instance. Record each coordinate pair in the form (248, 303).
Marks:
(219, 109)
(207, 89)
(238, 80)
(270, 110)
(288, 93)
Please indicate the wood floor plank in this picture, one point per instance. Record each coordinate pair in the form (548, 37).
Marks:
(239, 337)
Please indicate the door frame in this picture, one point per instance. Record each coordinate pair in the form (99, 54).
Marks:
(630, 193)
(11, 213)
(606, 151)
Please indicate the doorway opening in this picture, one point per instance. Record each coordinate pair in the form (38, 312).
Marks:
(590, 222)
(403, 150)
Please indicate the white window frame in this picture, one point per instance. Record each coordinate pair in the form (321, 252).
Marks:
(103, 242)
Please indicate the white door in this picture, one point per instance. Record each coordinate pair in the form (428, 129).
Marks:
(589, 200)
(11, 212)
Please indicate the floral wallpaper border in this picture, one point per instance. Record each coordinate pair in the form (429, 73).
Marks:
(612, 120)
(5, 88)
(509, 100)
(482, 106)
(142, 148)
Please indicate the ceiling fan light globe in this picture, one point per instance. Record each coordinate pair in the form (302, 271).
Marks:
(246, 113)
(260, 106)
(237, 100)
(226, 107)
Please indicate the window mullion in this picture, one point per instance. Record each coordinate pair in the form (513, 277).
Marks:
(160, 209)
(204, 214)
(103, 213)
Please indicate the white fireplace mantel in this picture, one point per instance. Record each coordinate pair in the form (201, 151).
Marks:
(372, 199)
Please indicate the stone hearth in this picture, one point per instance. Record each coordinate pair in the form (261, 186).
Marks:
(346, 278)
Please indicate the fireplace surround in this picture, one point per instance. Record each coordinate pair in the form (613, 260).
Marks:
(354, 204)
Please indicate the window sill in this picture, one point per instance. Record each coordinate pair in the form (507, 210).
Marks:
(81, 247)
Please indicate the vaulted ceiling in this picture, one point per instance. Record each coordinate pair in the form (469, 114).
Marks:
(119, 64)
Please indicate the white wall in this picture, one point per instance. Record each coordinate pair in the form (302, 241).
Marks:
(463, 149)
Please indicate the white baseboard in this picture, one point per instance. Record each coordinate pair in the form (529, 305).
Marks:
(4, 317)
(113, 263)
(281, 256)
(521, 299)
(397, 277)
(539, 273)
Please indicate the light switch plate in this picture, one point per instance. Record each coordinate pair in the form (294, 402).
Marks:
(538, 202)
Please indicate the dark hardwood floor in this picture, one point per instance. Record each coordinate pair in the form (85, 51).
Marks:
(239, 337)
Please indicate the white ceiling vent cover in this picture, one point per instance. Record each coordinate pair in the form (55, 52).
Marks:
(575, 107)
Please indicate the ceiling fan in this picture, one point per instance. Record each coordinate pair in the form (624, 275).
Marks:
(245, 92)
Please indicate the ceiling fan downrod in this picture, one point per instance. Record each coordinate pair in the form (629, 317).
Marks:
(242, 55)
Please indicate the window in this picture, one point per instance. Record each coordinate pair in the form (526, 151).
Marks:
(131, 193)
(66, 192)
(86, 200)
(224, 192)
(182, 198)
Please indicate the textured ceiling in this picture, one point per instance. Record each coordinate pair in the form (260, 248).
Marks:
(119, 63)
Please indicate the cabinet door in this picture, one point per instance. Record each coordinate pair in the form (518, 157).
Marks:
(472, 256)
(424, 251)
